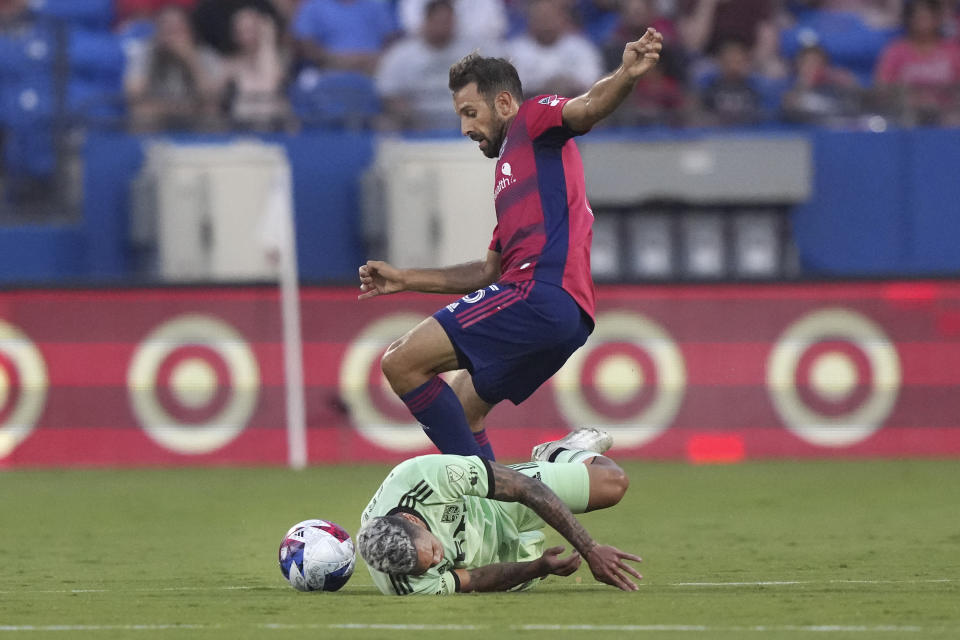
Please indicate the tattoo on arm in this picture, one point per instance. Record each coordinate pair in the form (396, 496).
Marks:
(500, 576)
(513, 486)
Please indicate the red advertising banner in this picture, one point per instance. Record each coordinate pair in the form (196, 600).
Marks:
(720, 373)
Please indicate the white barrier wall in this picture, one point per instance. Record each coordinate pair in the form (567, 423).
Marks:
(203, 208)
(433, 201)
(436, 204)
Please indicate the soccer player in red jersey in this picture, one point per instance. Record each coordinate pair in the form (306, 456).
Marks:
(530, 303)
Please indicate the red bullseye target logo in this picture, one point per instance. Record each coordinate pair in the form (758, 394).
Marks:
(193, 384)
(9, 387)
(619, 379)
(23, 387)
(375, 410)
(629, 378)
(833, 377)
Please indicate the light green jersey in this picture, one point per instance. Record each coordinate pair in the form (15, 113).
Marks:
(451, 494)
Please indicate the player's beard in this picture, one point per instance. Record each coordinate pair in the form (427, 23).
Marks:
(495, 141)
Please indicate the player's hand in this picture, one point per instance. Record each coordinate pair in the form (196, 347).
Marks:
(643, 54)
(608, 566)
(378, 278)
(554, 564)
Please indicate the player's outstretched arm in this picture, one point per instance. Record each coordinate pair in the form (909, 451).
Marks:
(378, 278)
(583, 112)
(606, 562)
(506, 575)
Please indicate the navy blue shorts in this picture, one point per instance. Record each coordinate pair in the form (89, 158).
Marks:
(513, 337)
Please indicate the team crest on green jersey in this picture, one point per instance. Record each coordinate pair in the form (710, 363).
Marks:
(454, 473)
(450, 513)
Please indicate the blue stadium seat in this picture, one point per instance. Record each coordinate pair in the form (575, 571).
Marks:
(334, 98)
(91, 99)
(770, 90)
(28, 98)
(27, 51)
(140, 29)
(29, 151)
(94, 54)
(848, 41)
(27, 101)
(92, 14)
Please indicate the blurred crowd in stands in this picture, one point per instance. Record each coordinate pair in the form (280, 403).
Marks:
(275, 65)
(261, 63)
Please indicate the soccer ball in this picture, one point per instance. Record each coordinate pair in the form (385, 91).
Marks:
(317, 555)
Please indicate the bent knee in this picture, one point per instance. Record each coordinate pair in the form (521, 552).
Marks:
(608, 485)
(391, 363)
(419, 355)
(618, 482)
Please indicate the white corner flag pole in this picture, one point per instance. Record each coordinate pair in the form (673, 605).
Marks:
(280, 217)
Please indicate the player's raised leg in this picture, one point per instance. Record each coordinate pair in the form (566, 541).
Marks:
(583, 440)
(475, 408)
(608, 482)
(411, 365)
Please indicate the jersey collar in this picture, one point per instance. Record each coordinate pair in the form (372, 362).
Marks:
(412, 512)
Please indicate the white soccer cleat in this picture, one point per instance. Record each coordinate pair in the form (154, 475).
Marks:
(583, 439)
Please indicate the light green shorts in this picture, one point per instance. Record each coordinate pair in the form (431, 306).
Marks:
(569, 480)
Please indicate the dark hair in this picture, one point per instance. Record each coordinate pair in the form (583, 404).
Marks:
(910, 7)
(732, 41)
(814, 48)
(433, 5)
(492, 76)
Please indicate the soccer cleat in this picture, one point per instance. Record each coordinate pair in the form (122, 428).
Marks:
(583, 439)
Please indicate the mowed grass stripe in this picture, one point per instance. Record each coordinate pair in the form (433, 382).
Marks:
(706, 585)
(463, 627)
(868, 544)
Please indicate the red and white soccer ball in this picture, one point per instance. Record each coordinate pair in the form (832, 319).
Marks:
(317, 555)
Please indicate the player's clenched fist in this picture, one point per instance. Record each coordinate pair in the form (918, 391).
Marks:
(379, 278)
(639, 56)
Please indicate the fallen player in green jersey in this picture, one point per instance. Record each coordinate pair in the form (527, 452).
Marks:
(442, 524)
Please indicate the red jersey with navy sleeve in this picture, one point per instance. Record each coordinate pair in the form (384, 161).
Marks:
(544, 222)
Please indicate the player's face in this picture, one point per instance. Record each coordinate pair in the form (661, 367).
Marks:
(429, 552)
(479, 120)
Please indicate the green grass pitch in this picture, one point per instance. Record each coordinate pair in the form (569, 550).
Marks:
(759, 550)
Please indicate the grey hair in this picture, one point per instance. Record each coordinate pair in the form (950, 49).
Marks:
(386, 544)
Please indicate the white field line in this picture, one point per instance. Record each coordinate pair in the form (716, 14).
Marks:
(708, 628)
(762, 583)
(102, 627)
(626, 628)
(757, 583)
(147, 589)
(392, 627)
(777, 583)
